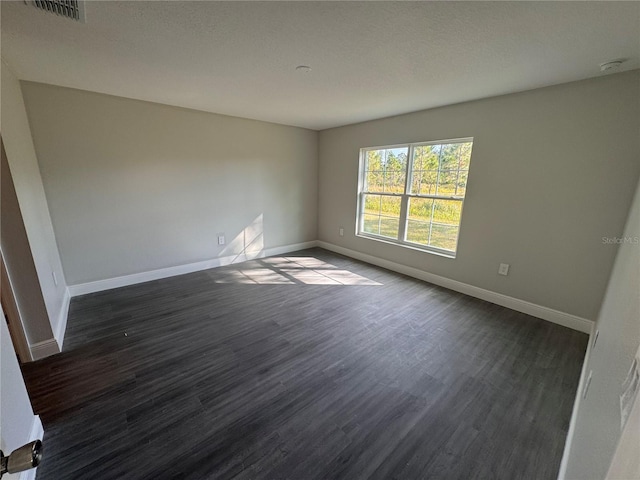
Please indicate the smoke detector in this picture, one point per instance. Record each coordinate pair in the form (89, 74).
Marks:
(611, 67)
(73, 9)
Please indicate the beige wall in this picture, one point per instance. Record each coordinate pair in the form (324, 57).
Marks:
(34, 209)
(553, 171)
(135, 186)
(597, 427)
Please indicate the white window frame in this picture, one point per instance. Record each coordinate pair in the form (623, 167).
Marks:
(402, 227)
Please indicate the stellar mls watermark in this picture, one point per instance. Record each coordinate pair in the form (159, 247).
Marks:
(621, 240)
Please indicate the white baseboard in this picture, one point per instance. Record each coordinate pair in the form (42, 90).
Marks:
(44, 348)
(51, 346)
(576, 406)
(545, 313)
(289, 248)
(36, 433)
(126, 280)
(62, 319)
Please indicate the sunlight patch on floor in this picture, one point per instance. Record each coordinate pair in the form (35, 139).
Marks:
(292, 270)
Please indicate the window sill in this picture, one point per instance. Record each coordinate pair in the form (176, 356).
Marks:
(408, 245)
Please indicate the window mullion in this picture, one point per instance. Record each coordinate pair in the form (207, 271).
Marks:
(404, 203)
(438, 173)
(408, 178)
(433, 206)
(402, 228)
(458, 171)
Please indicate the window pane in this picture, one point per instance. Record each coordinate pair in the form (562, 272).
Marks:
(425, 169)
(447, 163)
(426, 157)
(433, 222)
(374, 181)
(424, 182)
(449, 156)
(465, 155)
(395, 169)
(395, 159)
(389, 226)
(371, 224)
(373, 160)
(394, 182)
(386, 170)
(418, 232)
(418, 160)
(372, 204)
(381, 215)
(447, 211)
(462, 183)
(444, 236)
(390, 159)
(447, 182)
(420, 209)
(390, 206)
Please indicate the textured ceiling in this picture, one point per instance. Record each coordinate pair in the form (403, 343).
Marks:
(368, 59)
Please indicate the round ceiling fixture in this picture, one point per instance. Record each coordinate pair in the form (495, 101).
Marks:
(303, 68)
(612, 66)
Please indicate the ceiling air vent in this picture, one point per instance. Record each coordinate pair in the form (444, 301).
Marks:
(73, 9)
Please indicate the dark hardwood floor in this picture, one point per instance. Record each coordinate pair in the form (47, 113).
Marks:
(307, 366)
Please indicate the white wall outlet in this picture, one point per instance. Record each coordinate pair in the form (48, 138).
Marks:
(503, 269)
(221, 239)
(55, 278)
(341, 231)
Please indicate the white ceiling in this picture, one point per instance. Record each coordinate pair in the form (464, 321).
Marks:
(368, 59)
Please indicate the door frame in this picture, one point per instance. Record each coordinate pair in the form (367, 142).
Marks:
(12, 315)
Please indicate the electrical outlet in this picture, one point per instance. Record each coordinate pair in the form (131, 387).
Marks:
(221, 239)
(55, 278)
(504, 269)
(341, 232)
